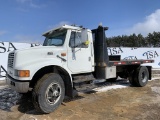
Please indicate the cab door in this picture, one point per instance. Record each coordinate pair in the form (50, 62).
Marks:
(79, 55)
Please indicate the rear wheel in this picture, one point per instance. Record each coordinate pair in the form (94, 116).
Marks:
(131, 78)
(48, 93)
(142, 76)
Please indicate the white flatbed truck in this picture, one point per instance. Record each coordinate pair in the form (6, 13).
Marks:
(71, 57)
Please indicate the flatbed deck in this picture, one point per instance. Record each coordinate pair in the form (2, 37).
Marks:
(130, 62)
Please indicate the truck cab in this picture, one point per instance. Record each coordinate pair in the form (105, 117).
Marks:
(71, 56)
(75, 50)
(63, 47)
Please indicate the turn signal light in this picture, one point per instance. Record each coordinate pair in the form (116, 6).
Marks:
(23, 73)
(63, 54)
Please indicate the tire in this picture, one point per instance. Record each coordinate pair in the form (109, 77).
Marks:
(142, 76)
(48, 93)
(131, 78)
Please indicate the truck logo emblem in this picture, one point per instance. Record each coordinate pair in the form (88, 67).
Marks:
(50, 53)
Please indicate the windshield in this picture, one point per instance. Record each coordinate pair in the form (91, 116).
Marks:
(57, 38)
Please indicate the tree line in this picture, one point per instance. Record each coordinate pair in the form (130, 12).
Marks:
(151, 40)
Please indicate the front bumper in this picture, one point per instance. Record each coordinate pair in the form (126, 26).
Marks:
(19, 86)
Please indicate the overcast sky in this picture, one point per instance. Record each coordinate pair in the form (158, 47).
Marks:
(26, 20)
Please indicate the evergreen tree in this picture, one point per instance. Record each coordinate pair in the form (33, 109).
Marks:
(152, 40)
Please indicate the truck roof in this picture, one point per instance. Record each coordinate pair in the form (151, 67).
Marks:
(73, 27)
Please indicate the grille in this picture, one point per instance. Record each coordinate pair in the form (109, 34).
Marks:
(10, 59)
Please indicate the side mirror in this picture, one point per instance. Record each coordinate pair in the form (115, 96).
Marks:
(84, 37)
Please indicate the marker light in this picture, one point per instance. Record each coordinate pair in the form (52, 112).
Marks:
(63, 54)
(23, 73)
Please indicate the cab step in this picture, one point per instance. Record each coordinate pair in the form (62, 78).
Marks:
(89, 86)
(84, 87)
(83, 78)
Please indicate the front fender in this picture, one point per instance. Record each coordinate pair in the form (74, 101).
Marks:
(35, 66)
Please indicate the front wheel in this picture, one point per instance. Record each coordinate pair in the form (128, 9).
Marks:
(48, 93)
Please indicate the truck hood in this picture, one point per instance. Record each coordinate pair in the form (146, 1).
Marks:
(36, 54)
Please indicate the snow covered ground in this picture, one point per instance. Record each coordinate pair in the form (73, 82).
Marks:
(9, 97)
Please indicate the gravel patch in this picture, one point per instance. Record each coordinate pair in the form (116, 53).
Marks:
(8, 98)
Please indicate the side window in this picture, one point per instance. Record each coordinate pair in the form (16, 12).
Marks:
(75, 40)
